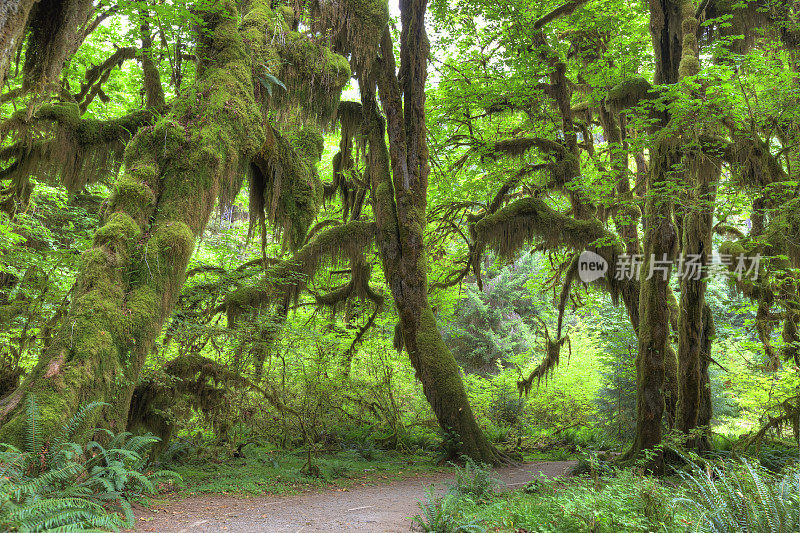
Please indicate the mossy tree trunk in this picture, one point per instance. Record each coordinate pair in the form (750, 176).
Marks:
(134, 271)
(695, 321)
(13, 19)
(399, 203)
(660, 241)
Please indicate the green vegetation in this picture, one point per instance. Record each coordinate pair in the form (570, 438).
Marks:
(276, 246)
(64, 486)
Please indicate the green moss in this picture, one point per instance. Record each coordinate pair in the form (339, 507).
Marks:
(690, 42)
(98, 272)
(519, 223)
(118, 230)
(143, 306)
(287, 14)
(171, 243)
(314, 77)
(356, 27)
(627, 94)
(134, 198)
(309, 143)
(689, 66)
(689, 26)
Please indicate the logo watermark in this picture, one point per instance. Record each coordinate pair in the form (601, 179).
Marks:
(592, 266)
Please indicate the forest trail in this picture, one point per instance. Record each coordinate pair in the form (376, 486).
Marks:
(374, 508)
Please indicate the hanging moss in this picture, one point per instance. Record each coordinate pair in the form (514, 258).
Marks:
(344, 244)
(309, 143)
(519, 146)
(285, 190)
(355, 27)
(753, 163)
(314, 77)
(525, 220)
(57, 144)
(548, 364)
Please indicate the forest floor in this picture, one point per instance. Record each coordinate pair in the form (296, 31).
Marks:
(370, 507)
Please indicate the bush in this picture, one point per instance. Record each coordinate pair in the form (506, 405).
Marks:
(474, 480)
(441, 515)
(626, 503)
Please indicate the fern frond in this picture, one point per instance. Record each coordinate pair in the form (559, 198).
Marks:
(33, 437)
(71, 427)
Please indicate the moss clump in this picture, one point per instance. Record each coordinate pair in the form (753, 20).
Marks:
(689, 66)
(57, 144)
(519, 223)
(627, 94)
(118, 230)
(314, 77)
(285, 189)
(134, 198)
(309, 143)
(143, 307)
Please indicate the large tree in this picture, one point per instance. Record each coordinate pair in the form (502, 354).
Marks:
(177, 166)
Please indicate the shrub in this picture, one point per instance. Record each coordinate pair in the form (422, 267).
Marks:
(474, 480)
(440, 515)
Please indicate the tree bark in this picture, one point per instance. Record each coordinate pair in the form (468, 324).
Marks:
(660, 242)
(13, 19)
(695, 321)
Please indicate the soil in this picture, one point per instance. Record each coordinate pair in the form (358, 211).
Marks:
(374, 508)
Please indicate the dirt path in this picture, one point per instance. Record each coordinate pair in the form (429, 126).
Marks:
(375, 508)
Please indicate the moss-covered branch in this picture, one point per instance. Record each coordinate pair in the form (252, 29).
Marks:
(284, 281)
(57, 144)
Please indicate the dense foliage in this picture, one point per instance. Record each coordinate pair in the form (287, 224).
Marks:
(348, 227)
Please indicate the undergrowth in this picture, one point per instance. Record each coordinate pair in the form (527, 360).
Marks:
(265, 470)
(64, 486)
(731, 497)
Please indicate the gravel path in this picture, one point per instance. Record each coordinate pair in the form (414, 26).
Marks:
(374, 508)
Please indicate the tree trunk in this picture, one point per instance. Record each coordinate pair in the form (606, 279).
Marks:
(399, 203)
(133, 273)
(695, 327)
(654, 315)
(694, 342)
(13, 20)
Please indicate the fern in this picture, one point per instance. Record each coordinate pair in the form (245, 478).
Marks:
(71, 427)
(62, 490)
(439, 516)
(33, 438)
(473, 480)
(742, 498)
